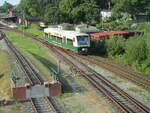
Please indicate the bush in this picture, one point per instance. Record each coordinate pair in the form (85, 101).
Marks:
(115, 46)
(136, 49)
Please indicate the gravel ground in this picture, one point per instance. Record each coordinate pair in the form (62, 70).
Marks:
(131, 88)
(83, 98)
(15, 66)
(14, 106)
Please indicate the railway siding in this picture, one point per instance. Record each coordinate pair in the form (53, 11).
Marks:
(132, 103)
(121, 71)
(34, 80)
(129, 100)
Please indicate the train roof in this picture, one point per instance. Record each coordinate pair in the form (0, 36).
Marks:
(60, 32)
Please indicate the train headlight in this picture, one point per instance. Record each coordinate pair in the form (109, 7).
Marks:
(84, 49)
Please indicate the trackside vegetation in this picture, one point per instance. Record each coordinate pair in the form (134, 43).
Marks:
(33, 28)
(135, 51)
(5, 71)
(38, 54)
(5, 91)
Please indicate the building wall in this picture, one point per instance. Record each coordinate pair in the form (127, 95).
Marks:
(11, 13)
(27, 92)
(19, 93)
(55, 89)
(37, 91)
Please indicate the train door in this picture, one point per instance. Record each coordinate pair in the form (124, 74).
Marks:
(65, 40)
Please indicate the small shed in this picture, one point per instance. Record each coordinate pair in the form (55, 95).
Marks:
(11, 17)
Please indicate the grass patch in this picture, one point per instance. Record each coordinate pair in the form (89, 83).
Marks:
(36, 52)
(133, 89)
(33, 28)
(5, 71)
(38, 55)
(5, 91)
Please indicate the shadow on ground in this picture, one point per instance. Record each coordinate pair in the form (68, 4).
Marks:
(1, 75)
(66, 88)
(44, 61)
(13, 102)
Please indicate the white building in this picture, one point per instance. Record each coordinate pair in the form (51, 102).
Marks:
(106, 14)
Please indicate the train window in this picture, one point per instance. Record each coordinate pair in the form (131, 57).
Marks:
(50, 36)
(69, 41)
(82, 40)
(46, 35)
(59, 39)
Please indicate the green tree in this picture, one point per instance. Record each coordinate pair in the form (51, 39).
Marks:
(67, 7)
(36, 8)
(81, 10)
(132, 7)
(54, 16)
(92, 12)
(6, 6)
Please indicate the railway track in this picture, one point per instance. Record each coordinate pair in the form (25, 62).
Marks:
(32, 76)
(119, 70)
(43, 105)
(40, 105)
(122, 100)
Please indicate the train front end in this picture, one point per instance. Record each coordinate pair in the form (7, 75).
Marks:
(83, 43)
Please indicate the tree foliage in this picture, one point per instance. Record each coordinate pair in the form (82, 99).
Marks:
(81, 11)
(54, 16)
(56, 11)
(87, 11)
(6, 6)
(35, 8)
(132, 7)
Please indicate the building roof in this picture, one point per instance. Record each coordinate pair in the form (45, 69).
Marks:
(8, 17)
(5, 16)
(109, 33)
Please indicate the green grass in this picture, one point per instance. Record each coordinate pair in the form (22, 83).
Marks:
(37, 53)
(5, 71)
(5, 91)
(33, 28)
(39, 56)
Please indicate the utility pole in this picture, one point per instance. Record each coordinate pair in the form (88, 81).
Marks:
(23, 22)
(58, 68)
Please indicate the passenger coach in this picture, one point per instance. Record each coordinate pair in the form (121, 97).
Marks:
(73, 40)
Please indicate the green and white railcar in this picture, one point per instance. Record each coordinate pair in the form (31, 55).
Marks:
(73, 40)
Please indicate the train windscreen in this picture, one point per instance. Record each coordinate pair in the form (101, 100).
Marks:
(82, 40)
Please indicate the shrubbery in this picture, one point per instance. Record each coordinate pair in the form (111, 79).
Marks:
(115, 25)
(115, 46)
(135, 51)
